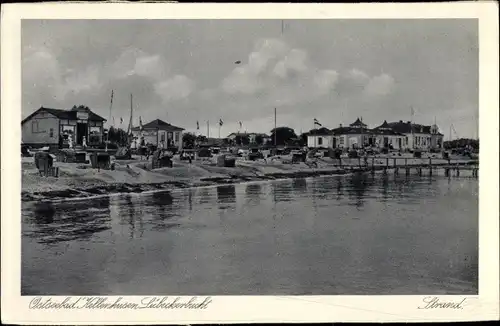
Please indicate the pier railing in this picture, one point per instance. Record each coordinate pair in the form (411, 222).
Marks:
(409, 164)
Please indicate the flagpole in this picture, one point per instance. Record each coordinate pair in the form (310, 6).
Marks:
(315, 136)
(411, 128)
(208, 129)
(275, 127)
(107, 136)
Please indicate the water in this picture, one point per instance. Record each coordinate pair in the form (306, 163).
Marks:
(358, 234)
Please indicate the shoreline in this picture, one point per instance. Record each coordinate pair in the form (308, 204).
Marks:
(79, 182)
(139, 188)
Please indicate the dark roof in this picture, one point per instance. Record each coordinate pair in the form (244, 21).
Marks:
(408, 127)
(320, 132)
(357, 123)
(350, 130)
(259, 134)
(66, 114)
(385, 129)
(159, 124)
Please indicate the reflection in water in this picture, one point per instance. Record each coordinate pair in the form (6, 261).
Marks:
(67, 221)
(253, 192)
(281, 191)
(130, 214)
(340, 188)
(385, 186)
(299, 185)
(402, 235)
(161, 210)
(205, 196)
(226, 194)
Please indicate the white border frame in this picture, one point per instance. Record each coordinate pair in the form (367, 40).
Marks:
(240, 309)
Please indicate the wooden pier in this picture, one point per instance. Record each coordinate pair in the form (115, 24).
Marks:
(408, 166)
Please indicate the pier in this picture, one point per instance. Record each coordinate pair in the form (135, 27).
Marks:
(408, 166)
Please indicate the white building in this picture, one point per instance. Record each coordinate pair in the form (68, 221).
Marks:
(417, 136)
(386, 137)
(320, 138)
(356, 135)
(159, 133)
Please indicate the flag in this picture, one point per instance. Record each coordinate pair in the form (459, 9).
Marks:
(240, 124)
(412, 111)
(140, 123)
(121, 120)
(221, 122)
(316, 122)
(197, 125)
(111, 97)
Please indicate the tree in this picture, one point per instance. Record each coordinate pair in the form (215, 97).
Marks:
(303, 139)
(461, 143)
(188, 140)
(201, 139)
(259, 140)
(116, 136)
(284, 135)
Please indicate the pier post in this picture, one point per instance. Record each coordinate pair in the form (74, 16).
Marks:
(430, 166)
(387, 163)
(396, 170)
(359, 162)
(447, 172)
(458, 172)
(407, 171)
(419, 170)
(340, 162)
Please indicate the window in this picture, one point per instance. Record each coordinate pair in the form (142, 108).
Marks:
(406, 140)
(341, 140)
(177, 137)
(34, 126)
(320, 141)
(51, 133)
(162, 137)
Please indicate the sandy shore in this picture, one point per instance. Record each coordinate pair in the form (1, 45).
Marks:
(80, 180)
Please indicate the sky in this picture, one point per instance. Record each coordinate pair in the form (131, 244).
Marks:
(184, 71)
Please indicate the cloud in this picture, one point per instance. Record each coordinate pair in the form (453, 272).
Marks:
(278, 74)
(137, 62)
(175, 88)
(44, 74)
(379, 85)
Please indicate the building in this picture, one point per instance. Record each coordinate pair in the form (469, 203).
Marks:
(417, 136)
(355, 135)
(386, 137)
(321, 138)
(51, 127)
(252, 137)
(158, 133)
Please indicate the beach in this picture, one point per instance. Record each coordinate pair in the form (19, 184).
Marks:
(135, 175)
